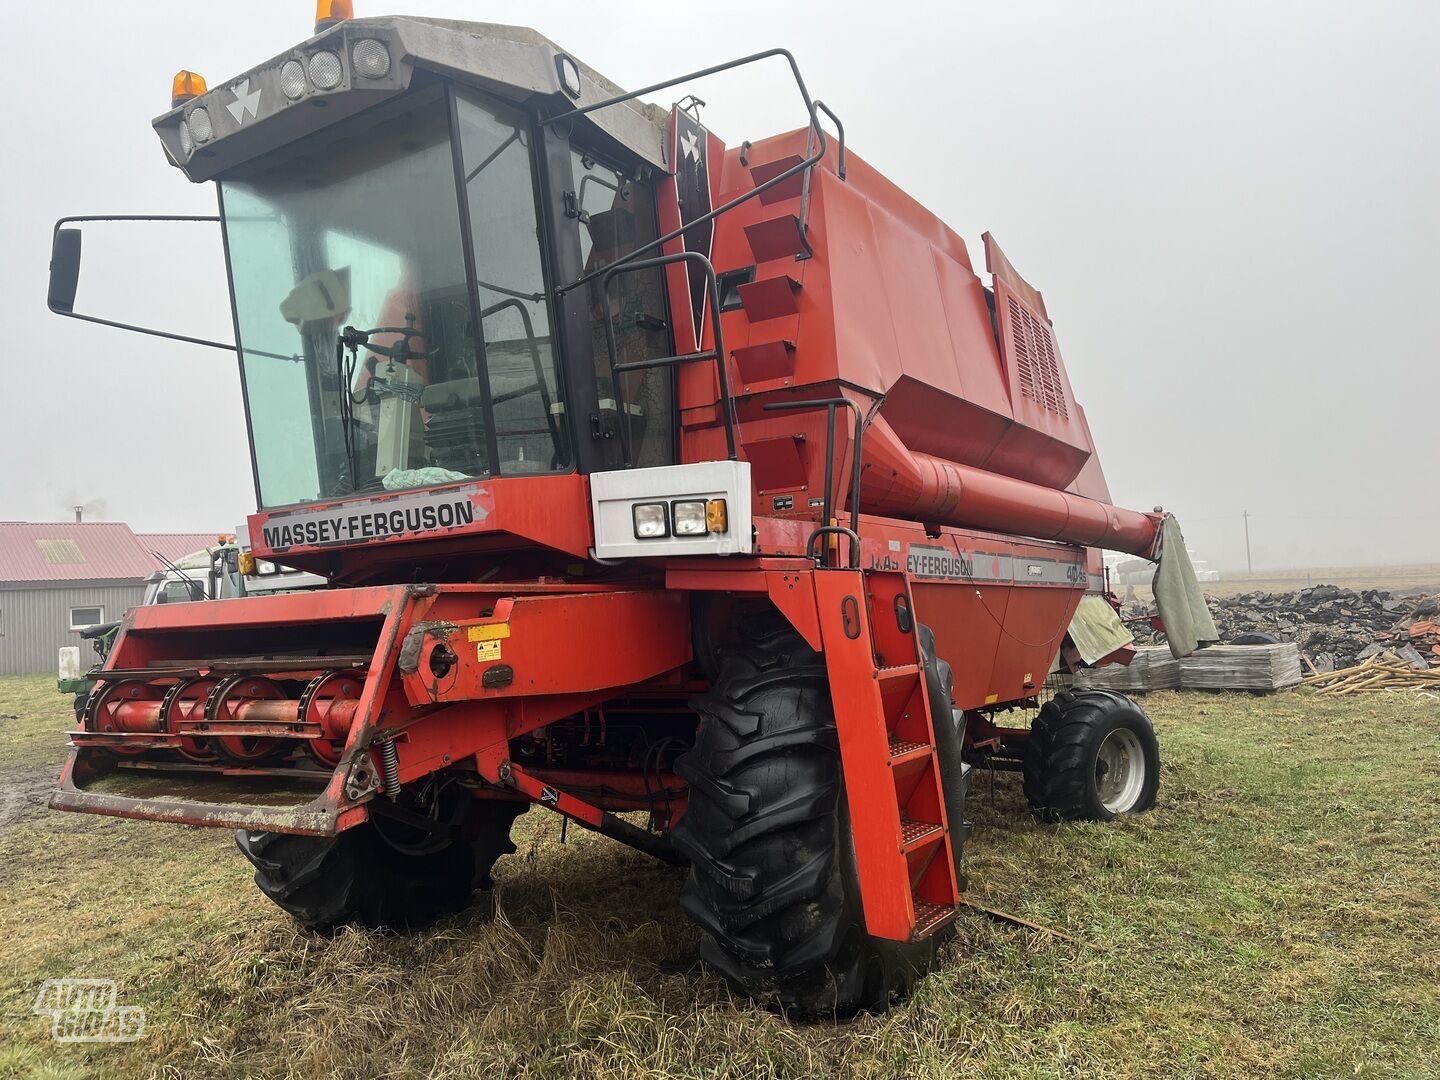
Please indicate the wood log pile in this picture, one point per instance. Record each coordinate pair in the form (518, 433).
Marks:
(1384, 670)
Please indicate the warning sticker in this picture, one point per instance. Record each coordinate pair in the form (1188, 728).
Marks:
(487, 650)
(489, 631)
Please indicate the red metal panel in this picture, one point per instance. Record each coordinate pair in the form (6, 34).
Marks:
(767, 170)
(775, 238)
(776, 464)
(765, 362)
(770, 297)
(933, 422)
(788, 582)
(546, 645)
(550, 511)
(972, 337)
(963, 584)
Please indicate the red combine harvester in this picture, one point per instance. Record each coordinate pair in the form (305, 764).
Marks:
(647, 475)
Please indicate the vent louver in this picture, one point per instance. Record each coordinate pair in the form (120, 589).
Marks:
(1035, 362)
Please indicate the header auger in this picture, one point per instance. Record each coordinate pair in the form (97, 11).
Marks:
(704, 482)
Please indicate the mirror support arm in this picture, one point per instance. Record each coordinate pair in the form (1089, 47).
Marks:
(65, 262)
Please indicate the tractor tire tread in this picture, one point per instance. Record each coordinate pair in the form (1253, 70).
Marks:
(772, 882)
(1059, 765)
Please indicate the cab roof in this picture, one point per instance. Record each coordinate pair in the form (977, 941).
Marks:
(250, 114)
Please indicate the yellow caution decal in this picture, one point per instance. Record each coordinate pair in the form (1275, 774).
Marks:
(489, 632)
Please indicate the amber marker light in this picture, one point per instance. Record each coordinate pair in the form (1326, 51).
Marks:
(717, 518)
(330, 13)
(186, 86)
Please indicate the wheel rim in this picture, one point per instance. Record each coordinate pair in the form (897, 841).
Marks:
(1120, 769)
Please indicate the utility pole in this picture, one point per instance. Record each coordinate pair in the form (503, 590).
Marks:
(1249, 569)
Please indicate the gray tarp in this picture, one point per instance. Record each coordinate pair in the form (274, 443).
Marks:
(1096, 630)
(1178, 599)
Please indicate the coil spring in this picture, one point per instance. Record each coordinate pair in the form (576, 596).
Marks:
(390, 767)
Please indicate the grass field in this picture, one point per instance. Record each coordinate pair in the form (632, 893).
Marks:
(1276, 915)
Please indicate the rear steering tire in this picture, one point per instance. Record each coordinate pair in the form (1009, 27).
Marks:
(1092, 756)
(773, 882)
(363, 876)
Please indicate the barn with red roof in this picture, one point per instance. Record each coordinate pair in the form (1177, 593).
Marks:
(56, 578)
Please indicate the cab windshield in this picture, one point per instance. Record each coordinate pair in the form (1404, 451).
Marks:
(373, 356)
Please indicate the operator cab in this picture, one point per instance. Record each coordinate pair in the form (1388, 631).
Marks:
(394, 277)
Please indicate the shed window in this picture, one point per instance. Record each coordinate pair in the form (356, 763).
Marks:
(81, 617)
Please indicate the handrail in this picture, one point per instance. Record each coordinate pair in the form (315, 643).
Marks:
(812, 551)
(812, 108)
(830, 405)
(840, 138)
(717, 353)
(535, 363)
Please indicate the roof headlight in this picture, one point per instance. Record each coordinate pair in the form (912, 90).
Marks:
(187, 141)
(201, 129)
(292, 79)
(326, 70)
(370, 58)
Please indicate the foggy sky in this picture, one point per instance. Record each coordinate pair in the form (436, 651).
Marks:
(1231, 209)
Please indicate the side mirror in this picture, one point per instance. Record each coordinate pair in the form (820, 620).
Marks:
(64, 270)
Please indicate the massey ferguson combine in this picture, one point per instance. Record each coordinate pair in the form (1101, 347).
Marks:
(703, 495)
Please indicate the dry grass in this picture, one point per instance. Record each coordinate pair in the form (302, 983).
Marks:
(1275, 916)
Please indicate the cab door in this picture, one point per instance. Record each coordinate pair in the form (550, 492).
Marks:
(606, 213)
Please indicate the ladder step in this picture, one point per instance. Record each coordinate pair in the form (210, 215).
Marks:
(903, 752)
(768, 360)
(930, 917)
(899, 671)
(770, 298)
(916, 834)
(775, 238)
(788, 189)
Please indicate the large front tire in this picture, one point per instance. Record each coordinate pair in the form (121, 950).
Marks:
(1092, 756)
(773, 882)
(367, 876)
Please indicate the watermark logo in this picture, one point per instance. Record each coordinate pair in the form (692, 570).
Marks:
(86, 1011)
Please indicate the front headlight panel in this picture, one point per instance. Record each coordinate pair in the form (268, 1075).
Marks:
(698, 508)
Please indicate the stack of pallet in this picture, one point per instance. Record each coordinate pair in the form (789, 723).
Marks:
(1242, 667)
(1383, 671)
(1153, 668)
